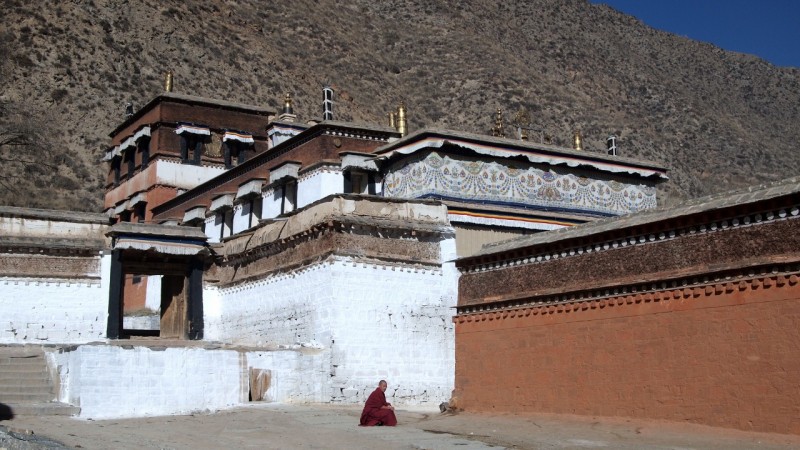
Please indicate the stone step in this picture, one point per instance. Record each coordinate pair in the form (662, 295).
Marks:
(12, 362)
(39, 379)
(44, 409)
(23, 368)
(22, 397)
(25, 388)
(21, 351)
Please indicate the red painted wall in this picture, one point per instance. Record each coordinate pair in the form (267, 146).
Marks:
(723, 355)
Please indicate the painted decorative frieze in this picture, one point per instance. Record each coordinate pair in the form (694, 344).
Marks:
(513, 184)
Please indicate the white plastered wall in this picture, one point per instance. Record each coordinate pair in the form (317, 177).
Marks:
(271, 206)
(109, 381)
(212, 227)
(371, 321)
(241, 217)
(318, 184)
(44, 310)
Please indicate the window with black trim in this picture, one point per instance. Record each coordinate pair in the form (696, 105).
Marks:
(130, 162)
(358, 182)
(235, 151)
(144, 150)
(115, 167)
(192, 143)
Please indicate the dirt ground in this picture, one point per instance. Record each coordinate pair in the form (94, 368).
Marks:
(269, 426)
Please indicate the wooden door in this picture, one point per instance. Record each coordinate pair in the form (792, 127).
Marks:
(173, 307)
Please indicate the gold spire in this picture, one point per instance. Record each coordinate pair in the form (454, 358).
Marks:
(393, 120)
(497, 129)
(287, 104)
(168, 81)
(523, 121)
(577, 142)
(402, 125)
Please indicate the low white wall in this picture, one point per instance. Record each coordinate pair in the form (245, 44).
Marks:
(110, 381)
(53, 311)
(298, 376)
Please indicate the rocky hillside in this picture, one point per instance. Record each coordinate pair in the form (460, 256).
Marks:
(719, 119)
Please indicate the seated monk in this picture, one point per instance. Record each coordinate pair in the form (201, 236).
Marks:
(377, 411)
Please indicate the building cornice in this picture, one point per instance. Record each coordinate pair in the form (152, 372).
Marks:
(764, 275)
(191, 100)
(711, 214)
(435, 138)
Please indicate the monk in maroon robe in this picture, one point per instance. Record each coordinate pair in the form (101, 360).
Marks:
(378, 411)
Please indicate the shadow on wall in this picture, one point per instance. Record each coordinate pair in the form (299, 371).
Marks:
(6, 413)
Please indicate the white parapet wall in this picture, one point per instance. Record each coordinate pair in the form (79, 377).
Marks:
(42, 311)
(113, 381)
(54, 274)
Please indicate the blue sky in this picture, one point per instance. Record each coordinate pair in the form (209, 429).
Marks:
(769, 29)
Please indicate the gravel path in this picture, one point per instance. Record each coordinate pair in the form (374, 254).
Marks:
(333, 427)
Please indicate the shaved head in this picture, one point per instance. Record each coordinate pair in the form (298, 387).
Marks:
(382, 385)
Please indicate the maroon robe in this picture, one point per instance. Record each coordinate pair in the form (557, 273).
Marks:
(374, 415)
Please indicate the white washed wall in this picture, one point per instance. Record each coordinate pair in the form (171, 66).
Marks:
(377, 321)
(396, 324)
(241, 216)
(54, 311)
(109, 381)
(31, 227)
(272, 204)
(112, 381)
(186, 176)
(152, 299)
(298, 376)
(318, 184)
(213, 225)
(286, 310)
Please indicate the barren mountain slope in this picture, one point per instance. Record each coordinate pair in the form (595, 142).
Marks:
(718, 119)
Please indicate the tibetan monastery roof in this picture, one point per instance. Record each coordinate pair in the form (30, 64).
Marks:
(507, 148)
(746, 199)
(191, 99)
(54, 215)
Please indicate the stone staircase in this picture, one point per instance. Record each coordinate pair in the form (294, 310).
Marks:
(25, 383)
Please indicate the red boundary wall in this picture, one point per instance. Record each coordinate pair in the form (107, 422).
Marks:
(724, 354)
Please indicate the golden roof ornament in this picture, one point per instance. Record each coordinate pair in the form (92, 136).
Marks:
(287, 104)
(497, 130)
(168, 81)
(393, 120)
(577, 142)
(402, 125)
(523, 122)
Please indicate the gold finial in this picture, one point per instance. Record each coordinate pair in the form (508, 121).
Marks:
(523, 122)
(393, 120)
(497, 130)
(168, 81)
(577, 142)
(402, 125)
(287, 104)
